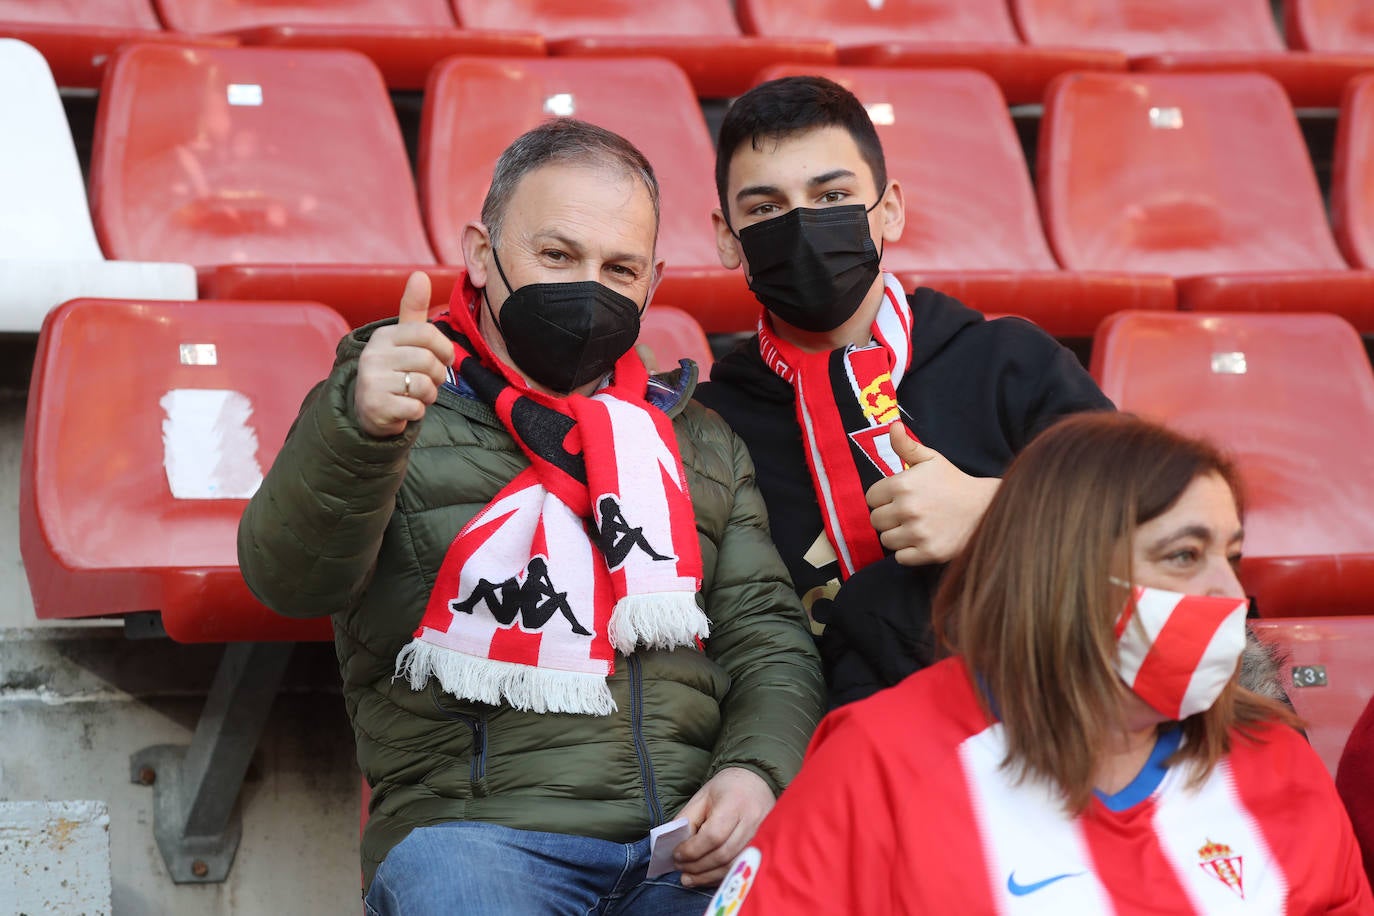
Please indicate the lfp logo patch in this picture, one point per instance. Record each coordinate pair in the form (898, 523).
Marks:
(736, 885)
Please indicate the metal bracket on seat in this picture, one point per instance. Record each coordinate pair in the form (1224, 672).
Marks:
(196, 787)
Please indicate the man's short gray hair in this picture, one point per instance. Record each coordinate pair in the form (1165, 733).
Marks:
(562, 141)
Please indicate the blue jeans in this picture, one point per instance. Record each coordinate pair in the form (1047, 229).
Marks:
(485, 869)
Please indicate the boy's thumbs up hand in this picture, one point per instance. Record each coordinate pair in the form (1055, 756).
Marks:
(925, 513)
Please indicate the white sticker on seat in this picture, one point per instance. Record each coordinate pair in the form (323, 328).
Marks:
(245, 94)
(209, 449)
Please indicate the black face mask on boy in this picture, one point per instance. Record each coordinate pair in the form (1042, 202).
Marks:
(812, 267)
(564, 335)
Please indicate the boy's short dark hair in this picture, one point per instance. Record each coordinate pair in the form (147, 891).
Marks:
(780, 108)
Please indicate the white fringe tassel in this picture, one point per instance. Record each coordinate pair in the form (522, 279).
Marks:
(663, 620)
(524, 687)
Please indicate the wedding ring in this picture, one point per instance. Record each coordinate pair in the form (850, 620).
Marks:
(406, 380)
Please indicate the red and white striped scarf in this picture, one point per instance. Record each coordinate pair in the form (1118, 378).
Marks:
(846, 401)
(589, 551)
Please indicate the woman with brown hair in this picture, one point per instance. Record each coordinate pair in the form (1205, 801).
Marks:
(1088, 749)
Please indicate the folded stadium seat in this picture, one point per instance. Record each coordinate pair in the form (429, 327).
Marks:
(1352, 174)
(1193, 35)
(928, 33)
(1340, 26)
(404, 38)
(1291, 397)
(648, 101)
(1204, 176)
(78, 36)
(48, 250)
(1327, 674)
(702, 37)
(972, 229)
(231, 160)
(130, 500)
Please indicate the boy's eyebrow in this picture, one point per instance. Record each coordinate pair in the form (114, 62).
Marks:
(768, 190)
(830, 176)
(757, 190)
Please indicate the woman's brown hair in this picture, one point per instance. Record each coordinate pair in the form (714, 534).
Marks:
(1030, 604)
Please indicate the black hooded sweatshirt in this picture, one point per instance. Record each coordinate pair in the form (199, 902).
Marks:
(977, 392)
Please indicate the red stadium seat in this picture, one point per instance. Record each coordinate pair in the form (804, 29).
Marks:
(702, 37)
(48, 249)
(928, 33)
(78, 36)
(1291, 397)
(404, 38)
(231, 160)
(1194, 35)
(647, 101)
(1327, 674)
(1340, 26)
(1352, 174)
(972, 229)
(1202, 176)
(670, 334)
(130, 501)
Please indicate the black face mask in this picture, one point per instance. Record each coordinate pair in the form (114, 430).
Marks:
(564, 335)
(812, 267)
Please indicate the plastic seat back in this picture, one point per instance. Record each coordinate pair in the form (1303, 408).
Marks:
(670, 334)
(1181, 174)
(81, 14)
(1352, 174)
(1291, 397)
(1156, 27)
(476, 106)
(1330, 25)
(848, 23)
(947, 137)
(1327, 675)
(44, 215)
(218, 16)
(556, 19)
(247, 155)
(149, 425)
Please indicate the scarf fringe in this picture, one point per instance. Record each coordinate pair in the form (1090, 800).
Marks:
(523, 687)
(659, 620)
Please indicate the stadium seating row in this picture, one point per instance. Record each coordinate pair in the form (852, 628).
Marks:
(1155, 191)
(1022, 43)
(130, 496)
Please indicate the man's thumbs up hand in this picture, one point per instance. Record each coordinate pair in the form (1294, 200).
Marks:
(402, 366)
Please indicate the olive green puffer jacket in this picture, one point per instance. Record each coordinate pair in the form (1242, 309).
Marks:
(357, 527)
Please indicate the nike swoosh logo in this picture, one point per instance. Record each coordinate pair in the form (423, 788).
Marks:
(1021, 890)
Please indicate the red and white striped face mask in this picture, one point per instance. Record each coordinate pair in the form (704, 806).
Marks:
(1177, 652)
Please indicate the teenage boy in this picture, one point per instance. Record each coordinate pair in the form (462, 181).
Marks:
(879, 421)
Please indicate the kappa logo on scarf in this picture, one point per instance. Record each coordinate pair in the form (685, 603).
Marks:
(531, 596)
(616, 538)
(541, 589)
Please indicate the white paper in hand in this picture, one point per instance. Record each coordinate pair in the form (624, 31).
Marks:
(663, 840)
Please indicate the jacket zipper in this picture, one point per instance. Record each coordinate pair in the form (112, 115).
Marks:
(478, 766)
(646, 765)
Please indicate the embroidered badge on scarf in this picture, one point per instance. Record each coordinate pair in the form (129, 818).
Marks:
(846, 403)
(589, 551)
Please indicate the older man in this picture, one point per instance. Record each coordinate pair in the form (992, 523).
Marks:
(559, 616)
